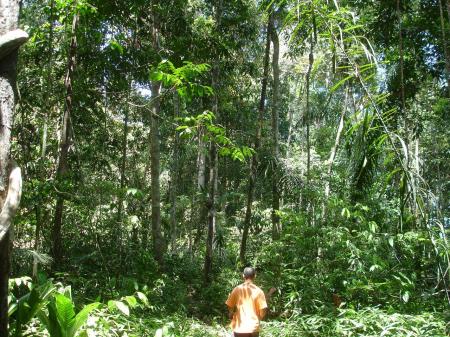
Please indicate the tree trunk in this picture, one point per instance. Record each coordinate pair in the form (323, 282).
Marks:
(159, 246)
(157, 237)
(66, 137)
(213, 168)
(211, 220)
(174, 179)
(403, 111)
(119, 228)
(275, 131)
(8, 201)
(254, 162)
(308, 110)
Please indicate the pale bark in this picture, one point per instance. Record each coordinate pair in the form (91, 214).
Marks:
(201, 163)
(254, 162)
(275, 132)
(174, 179)
(123, 163)
(9, 200)
(65, 141)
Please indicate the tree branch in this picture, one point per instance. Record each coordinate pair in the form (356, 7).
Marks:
(12, 201)
(11, 41)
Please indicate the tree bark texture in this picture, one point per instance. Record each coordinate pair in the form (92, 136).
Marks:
(159, 246)
(254, 162)
(174, 176)
(65, 142)
(157, 237)
(275, 131)
(10, 40)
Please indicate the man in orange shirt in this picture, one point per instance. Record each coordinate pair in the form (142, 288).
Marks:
(247, 306)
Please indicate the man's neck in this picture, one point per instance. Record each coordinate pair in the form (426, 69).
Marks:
(248, 281)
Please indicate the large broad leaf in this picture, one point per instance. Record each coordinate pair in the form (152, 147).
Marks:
(65, 312)
(80, 319)
(51, 321)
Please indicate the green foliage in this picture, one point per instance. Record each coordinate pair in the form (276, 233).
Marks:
(203, 126)
(23, 309)
(183, 78)
(61, 320)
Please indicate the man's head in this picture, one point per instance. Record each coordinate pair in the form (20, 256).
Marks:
(249, 273)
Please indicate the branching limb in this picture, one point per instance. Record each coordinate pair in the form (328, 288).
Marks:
(12, 201)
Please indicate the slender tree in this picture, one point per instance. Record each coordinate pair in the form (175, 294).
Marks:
(65, 140)
(213, 163)
(275, 129)
(157, 237)
(254, 162)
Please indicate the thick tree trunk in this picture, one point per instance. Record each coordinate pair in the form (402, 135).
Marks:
(254, 162)
(275, 132)
(65, 141)
(11, 38)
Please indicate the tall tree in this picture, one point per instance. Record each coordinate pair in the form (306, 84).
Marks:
(11, 39)
(213, 162)
(254, 161)
(157, 237)
(275, 129)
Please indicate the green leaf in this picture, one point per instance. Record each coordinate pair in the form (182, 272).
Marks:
(131, 300)
(64, 311)
(142, 297)
(81, 318)
(122, 307)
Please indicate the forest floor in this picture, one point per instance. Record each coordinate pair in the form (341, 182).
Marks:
(368, 322)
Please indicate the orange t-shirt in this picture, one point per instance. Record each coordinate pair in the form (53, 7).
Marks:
(249, 301)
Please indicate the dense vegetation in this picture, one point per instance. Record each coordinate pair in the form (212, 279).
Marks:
(164, 145)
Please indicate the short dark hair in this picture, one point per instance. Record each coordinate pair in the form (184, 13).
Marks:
(249, 273)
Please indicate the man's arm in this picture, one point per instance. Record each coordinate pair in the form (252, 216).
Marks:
(264, 309)
(262, 313)
(230, 312)
(231, 303)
